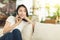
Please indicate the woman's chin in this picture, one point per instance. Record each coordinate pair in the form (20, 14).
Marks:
(22, 17)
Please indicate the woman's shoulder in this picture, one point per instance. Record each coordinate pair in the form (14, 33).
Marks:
(11, 17)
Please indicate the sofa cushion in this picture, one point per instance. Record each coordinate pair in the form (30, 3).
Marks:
(46, 32)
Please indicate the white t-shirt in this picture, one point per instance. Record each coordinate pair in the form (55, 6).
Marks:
(11, 19)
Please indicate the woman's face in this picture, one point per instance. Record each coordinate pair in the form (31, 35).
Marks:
(22, 12)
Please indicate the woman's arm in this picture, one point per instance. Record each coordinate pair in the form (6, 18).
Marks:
(33, 24)
(28, 20)
(8, 28)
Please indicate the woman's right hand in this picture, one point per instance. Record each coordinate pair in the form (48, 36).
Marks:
(17, 19)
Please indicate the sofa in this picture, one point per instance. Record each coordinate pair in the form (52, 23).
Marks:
(42, 31)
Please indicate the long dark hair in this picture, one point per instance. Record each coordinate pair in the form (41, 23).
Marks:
(25, 9)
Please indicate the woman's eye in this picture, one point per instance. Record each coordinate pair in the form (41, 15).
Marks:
(24, 11)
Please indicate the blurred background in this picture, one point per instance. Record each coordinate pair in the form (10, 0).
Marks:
(43, 11)
(7, 7)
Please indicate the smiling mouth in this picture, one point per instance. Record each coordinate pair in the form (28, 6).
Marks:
(22, 17)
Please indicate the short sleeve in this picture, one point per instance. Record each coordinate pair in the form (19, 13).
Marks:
(11, 19)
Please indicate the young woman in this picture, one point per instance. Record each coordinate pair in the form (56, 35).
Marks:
(14, 25)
